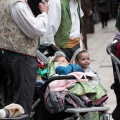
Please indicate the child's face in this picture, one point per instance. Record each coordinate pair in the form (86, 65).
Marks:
(62, 60)
(84, 60)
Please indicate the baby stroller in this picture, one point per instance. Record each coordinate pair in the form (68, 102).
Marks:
(113, 49)
(39, 111)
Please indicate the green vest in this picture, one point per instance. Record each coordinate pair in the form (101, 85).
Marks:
(63, 33)
(118, 20)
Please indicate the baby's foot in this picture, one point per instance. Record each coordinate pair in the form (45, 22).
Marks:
(101, 100)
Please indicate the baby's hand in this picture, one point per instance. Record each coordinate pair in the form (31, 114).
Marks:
(72, 61)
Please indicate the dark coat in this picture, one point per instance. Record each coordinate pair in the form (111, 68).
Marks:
(104, 8)
(88, 23)
(114, 7)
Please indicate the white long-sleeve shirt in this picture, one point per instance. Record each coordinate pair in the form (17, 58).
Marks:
(54, 17)
(30, 25)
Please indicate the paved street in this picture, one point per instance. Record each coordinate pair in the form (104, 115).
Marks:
(101, 61)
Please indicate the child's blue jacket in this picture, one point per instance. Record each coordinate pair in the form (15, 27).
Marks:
(68, 69)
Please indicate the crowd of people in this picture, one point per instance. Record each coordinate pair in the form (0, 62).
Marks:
(95, 12)
(63, 23)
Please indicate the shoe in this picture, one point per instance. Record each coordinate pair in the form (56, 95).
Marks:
(101, 100)
(89, 103)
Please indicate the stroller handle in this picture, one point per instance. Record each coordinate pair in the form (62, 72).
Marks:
(108, 49)
(62, 77)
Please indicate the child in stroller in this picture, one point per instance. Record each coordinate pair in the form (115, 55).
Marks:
(82, 59)
(40, 111)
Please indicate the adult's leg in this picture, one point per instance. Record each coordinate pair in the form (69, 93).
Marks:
(106, 18)
(22, 72)
(102, 19)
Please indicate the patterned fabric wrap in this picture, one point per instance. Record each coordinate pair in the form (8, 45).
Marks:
(74, 100)
(11, 37)
(51, 67)
(82, 88)
(55, 101)
(101, 91)
(91, 116)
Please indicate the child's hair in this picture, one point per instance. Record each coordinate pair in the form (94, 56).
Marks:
(75, 55)
(57, 55)
(79, 54)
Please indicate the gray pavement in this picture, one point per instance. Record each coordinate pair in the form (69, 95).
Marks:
(100, 60)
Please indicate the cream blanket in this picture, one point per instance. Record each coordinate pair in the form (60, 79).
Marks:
(13, 110)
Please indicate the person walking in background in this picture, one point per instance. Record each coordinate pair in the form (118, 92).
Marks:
(103, 8)
(18, 40)
(65, 25)
(84, 29)
(95, 14)
(87, 7)
(88, 25)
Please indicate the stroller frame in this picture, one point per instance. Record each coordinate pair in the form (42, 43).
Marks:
(111, 49)
(115, 60)
(75, 111)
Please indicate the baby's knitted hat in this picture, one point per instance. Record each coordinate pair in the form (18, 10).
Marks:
(59, 54)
